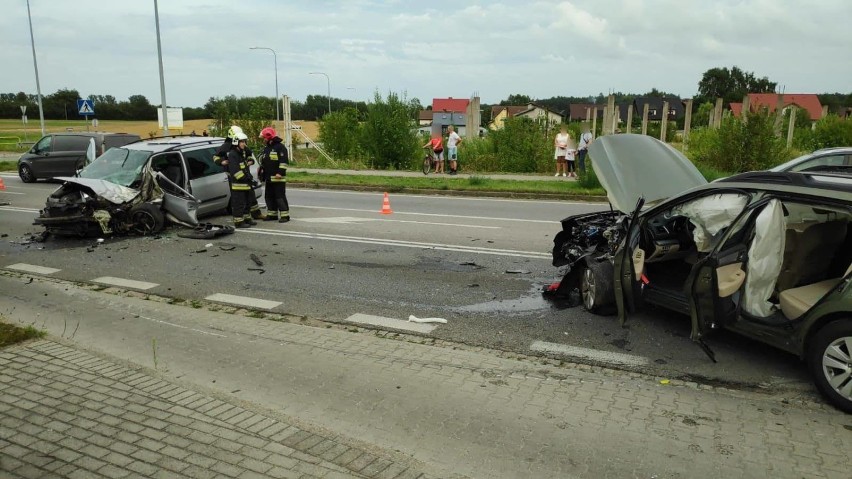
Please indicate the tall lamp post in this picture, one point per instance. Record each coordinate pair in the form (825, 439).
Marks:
(275, 57)
(35, 65)
(328, 81)
(162, 79)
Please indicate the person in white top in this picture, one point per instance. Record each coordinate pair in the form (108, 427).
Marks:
(561, 144)
(583, 148)
(453, 142)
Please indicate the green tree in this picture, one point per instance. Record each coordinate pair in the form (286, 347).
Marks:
(387, 134)
(516, 100)
(340, 133)
(731, 85)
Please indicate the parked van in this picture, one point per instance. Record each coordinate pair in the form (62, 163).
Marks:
(62, 154)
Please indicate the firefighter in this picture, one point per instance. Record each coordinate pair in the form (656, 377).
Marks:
(240, 179)
(274, 161)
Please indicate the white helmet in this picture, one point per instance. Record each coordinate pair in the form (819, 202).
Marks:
(235, 134)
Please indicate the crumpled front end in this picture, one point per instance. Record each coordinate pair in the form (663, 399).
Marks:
(590, 234)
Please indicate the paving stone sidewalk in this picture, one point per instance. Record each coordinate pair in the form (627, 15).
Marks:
(67, 413)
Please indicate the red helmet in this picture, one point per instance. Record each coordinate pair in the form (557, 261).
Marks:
(268, 133)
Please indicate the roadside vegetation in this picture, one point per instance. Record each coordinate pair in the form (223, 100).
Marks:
(11, 334)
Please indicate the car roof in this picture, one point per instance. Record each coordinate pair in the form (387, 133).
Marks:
(825, 184)
(809, 156)
(173, 143)
(89, 134)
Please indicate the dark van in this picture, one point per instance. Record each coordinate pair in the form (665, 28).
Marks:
(62, 154)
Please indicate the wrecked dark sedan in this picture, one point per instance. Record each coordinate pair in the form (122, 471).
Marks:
(136, 188)
(764, 254)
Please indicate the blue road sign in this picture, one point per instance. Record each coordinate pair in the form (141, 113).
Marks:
(86, 107)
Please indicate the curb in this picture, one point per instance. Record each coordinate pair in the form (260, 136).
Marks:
(450, 192)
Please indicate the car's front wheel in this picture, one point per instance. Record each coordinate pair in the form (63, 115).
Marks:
(830, 362)
(146, 219)
(26, 174)
(596, 287)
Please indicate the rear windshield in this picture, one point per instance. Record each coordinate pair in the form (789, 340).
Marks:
(118, 165)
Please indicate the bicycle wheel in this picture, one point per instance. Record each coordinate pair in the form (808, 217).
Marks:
(427, 165)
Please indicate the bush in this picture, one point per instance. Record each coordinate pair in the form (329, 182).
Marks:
(386, 134)
(828, 132)
(654, 130)
(523, 146)
(340, 134)
(739, 146)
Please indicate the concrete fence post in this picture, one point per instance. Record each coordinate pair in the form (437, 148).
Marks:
(664, 121)
(629, 117)
(717, 114)
(645, 119)
(792, 126)
(746, 109)
(779, 117)
(687, 123)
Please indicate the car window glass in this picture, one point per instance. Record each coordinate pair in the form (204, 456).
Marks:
(118, 165)
(200, 163)
(70, 143)
(171, 166)
(710, 216)
(43, 145)
(830, 160)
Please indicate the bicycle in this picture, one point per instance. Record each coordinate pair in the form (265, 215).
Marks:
(430, 161)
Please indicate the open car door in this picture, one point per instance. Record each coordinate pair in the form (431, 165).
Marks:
(177, 202)
(628, 264)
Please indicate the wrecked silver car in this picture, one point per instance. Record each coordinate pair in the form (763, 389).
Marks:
(137, 188)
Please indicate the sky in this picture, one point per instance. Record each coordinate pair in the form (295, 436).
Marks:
(424, 49)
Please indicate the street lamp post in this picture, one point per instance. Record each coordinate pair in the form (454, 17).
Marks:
(162, 79)
(328, 81)
(35, 65)
(275, 58)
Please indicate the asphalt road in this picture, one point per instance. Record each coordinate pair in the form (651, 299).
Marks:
(478, 263)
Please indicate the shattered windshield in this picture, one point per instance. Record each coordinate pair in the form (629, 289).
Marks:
(118, 165)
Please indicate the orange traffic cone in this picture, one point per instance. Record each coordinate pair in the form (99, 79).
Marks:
(386, 209)
(2, 185)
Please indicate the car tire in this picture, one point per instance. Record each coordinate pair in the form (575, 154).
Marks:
(146, 219)
(596, 288)
(830, 362)
(26, 174)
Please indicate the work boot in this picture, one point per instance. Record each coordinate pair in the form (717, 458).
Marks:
(283, 217)
(249, 221)
(241, 224)
(271, 216)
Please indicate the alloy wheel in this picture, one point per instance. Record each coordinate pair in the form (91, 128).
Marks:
(587, 288)
(837, 366)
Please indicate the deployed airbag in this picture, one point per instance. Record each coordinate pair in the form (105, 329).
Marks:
(710, 215)
(764, 260)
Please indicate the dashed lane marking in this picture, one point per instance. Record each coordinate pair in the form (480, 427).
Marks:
(125, 283)
(243, 301)
(348, 220)
(597, 355)
(18, 209)
(423, 328)
(32, 268)
(4, 192)
(440, 215)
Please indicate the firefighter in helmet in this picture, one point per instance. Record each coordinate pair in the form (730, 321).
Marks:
(240, 178)
(274, 161)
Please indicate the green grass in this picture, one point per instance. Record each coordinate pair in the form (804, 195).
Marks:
(476, 183)
(6, 165)
(10, 334)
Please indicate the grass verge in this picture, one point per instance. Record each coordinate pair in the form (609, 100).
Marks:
(11, 334)
(473, 184)
(9, 165)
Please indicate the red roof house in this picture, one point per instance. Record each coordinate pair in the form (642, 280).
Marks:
(807, 101)
(450, 104)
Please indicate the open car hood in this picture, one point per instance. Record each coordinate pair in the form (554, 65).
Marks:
(109, 191)
(634, 166)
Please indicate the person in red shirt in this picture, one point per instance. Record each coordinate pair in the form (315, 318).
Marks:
(437, 146)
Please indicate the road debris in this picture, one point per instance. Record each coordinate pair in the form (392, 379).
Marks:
(517, 271)
(261, 270)
(208, 245)
(473, 285)
(227, 248)
(203, 250)
(256, 260)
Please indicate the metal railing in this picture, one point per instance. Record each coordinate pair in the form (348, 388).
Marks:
(298, 129)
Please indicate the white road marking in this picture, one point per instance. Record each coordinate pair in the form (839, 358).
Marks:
(243, 301)
(348, 220)
(182, 327)
(125, 283)
(423, 328)
(400, 243)
(4, 192)
(18, 209)
(32, 268)
(450, 197)
(440, 215)
(592, 354)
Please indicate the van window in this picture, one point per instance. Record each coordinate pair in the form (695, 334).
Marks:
(43, 145)
(71, 143)
(200, 163)
(112, 141)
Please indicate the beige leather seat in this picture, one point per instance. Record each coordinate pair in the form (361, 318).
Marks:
(808, 258)
(797, 301)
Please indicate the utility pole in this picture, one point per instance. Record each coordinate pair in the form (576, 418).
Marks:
(162, 79)
(35, 65)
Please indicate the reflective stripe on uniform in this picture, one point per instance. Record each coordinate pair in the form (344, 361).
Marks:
(238, 175)
(278, 180)
(240, 187)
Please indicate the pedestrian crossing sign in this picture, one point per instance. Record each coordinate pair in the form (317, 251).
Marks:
(85, 107)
